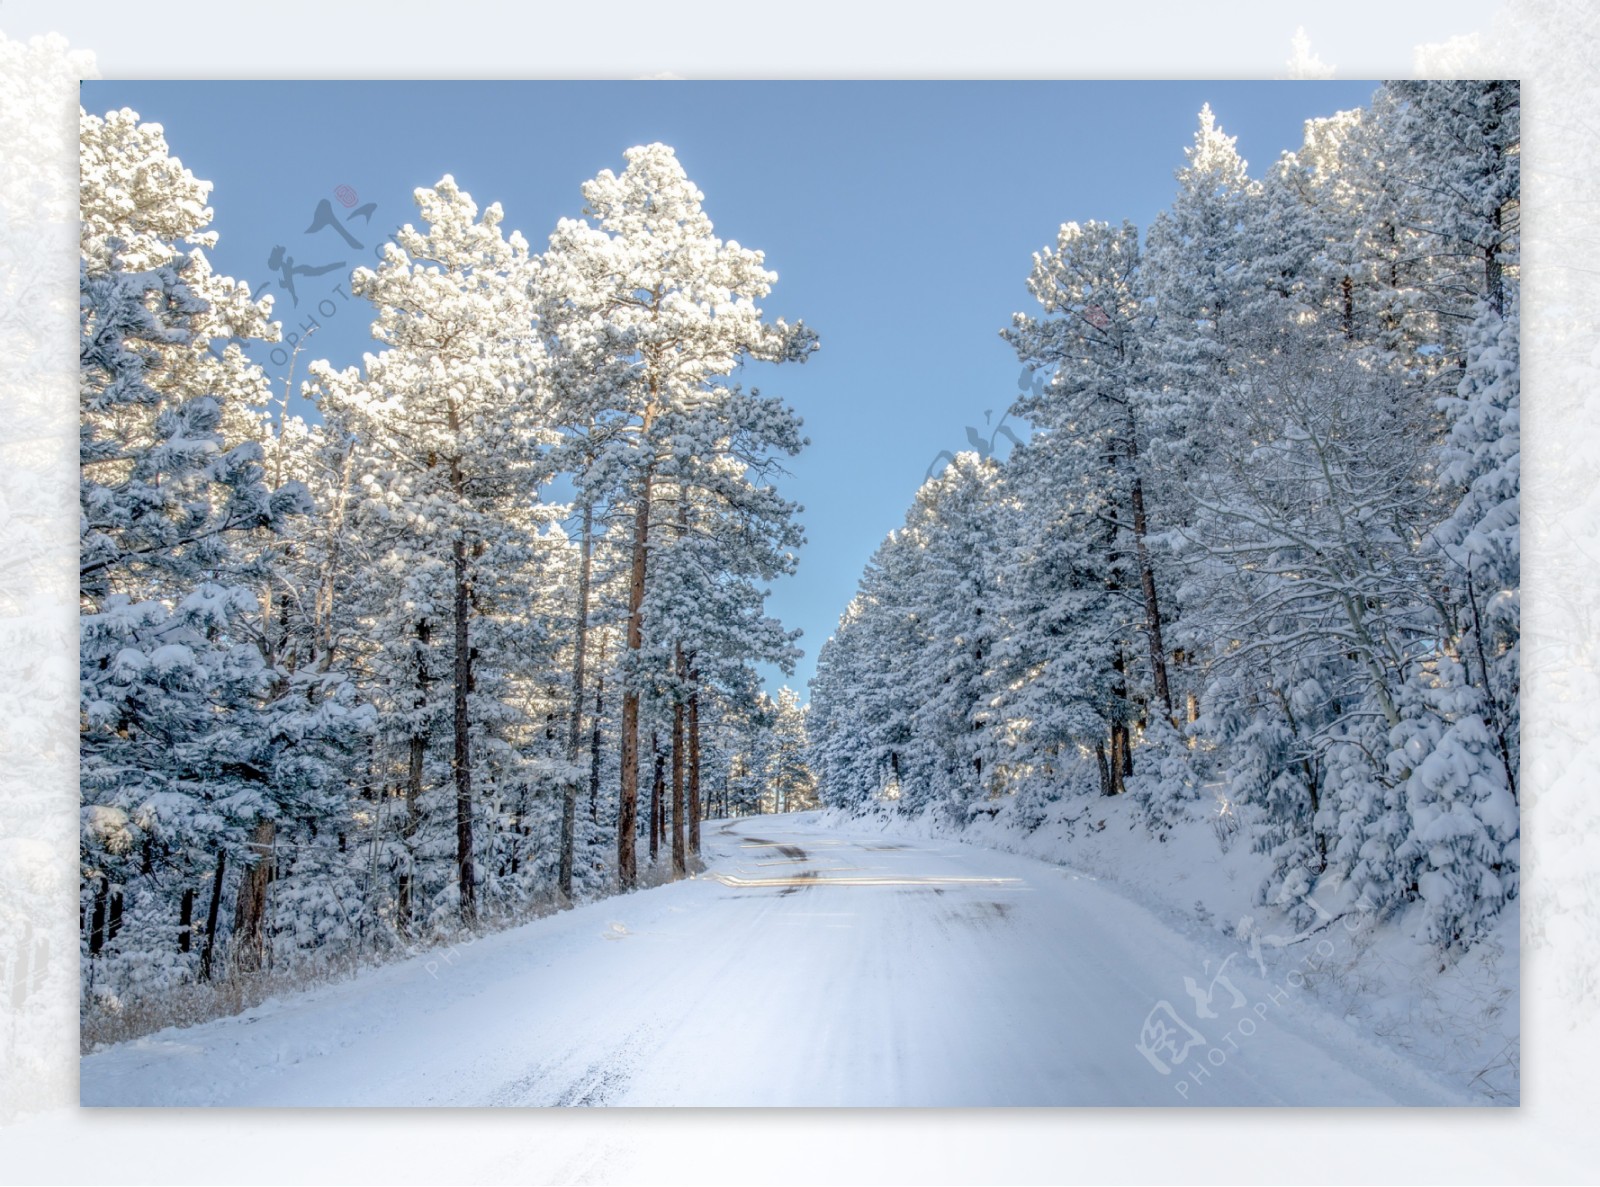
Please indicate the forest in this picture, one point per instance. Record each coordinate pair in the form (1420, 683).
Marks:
(476, 640)
(480, 637)
(1258, 564)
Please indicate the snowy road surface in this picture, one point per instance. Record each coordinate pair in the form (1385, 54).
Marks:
(805, 967)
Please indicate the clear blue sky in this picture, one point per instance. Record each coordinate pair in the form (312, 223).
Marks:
(900, 217)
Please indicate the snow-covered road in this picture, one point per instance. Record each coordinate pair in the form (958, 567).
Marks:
(806, 967)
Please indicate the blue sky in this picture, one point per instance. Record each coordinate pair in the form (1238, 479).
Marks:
(900, 217)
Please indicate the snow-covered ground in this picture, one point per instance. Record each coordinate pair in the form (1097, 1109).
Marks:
(816, 962)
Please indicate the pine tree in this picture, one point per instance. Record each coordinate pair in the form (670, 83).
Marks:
(860, 726)
(448, 421)
(673, 310)
(1462, 844)
(1481, 538)
(794, 785)
(1094, 335)
(178, 740)
(1454, 156)
(955, 606)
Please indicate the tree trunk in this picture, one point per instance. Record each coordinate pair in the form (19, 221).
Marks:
(1494, 277)
(406, 892)
(569, 799)
(186, 919)
(334, 522)
(415, 767)
(1118, 716)
(694, 762)
(211, 916)
(628, 804)
(594, 742)
(661, 798)
(679, 865)
(1105, 768)
(250, 915)
(657, 784)
(1501, 98)
(463, 750)
(97, 916)
(1152, 606)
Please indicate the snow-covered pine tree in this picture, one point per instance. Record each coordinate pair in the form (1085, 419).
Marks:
(952, 751)
(1318, 198)
(448, 424)
(173, 772)
(793, 782)
(1458, 749)
(1453, 154)
(1060, 687)
(673, 308)
(312, 727)
(860, 726)
(1094, 335)
(835, 752)
(1461, 849)
(1481, 538)
(1198, 261)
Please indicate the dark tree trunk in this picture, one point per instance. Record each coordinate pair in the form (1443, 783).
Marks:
(1119, 758)
(211, 917)
(657, 786)
(408, 835)
(694, 762)
(414, 774)
(402, 902)
(1503, 96)
(1152, 606)
(463, 750)
(569, 799)
(1105, 768)
(186, 919)
(97, 916)
(661, 798)
(250, 915)
(679, 864)
(1500, 714)
(1121, 761)
(628, 801)
(594, 743)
